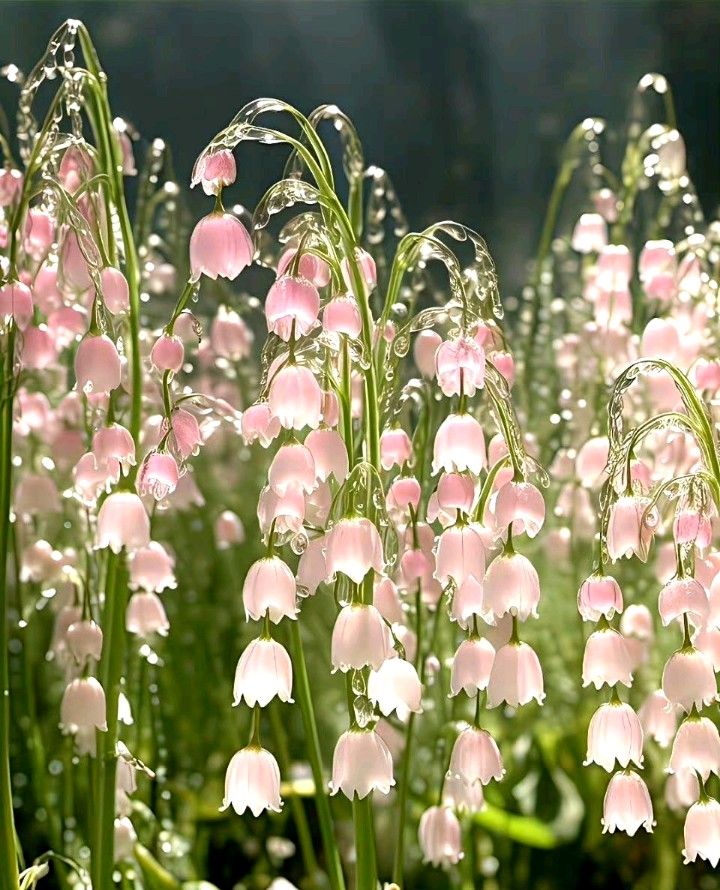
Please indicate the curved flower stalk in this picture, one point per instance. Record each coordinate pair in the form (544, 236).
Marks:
(633, 514)
(359, 499)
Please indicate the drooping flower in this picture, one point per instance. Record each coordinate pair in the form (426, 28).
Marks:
(270, 588)
(615, 734)
(361, 763)
(263, 671)
(353, 548)
(395, 686)
(516, 676)
(252, 781)
(476, 757)
(702, 832)
(627, 805)
(440, 836)
(220, 247)
(360, 638)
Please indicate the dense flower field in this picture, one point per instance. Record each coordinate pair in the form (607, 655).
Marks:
(315, 570)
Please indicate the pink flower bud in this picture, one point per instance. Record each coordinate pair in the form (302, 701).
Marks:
(252, 781)
(158, 475)
(627, 804)
(660, 339)
(122, 522)
(459, 445)
(361, 763)
(707, 375)
(395, 686)
(404, 492)
(39, 236)
(230, 337)
(146, 616)
(360, 638)
(589, 234)
(456, 491)
(387, 601)
(395, 448)
(292, 467)
(681, 790)
(683, 596)
(414, 565)
(287, 511)
(295, 398)
(97, 365)
(637, 622)
(258, 424)
(659, 718)
(342, 316)
(83, 704)
(688, 679)
(38, 348)
(73, 267)
(186, 433)
(615, 734)
(599, 595)
(310, 266)
(116, 291)
(440, 837)
(16, 304)
(214, 171)
(460, 367)
(426, 345)
(471, 666)
(168, 353)
(702, 832)
(220, 247)
(516, 676)
(512, 585)
(229, 530)
(476, 758)
(368, 271)
(263, 672)
(354, 548)
(696, 747)
(152, 568)
(292, 304)
(606, 659)
(630, 531)
(270, 588)
(505, 364)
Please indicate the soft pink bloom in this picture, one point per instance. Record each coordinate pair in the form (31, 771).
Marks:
(114, 442)
(424, 349)
(414, 565)
(606, 659)
(16, 304)
(186, 433)
(353, 547)
(395, 448)
(696, 747)
(637, 622)
(292, 305)
(230, 337)
(629, 530)
(39, 562)
(476, 757)
(152, 568)
(404, 492)
(310, 266)
(522, 505)
(461, 796)
(361, 763)
(591, 461)
(460, 553)
(516, 676)
(459, 445)
(36, 495)
(708, 641)
(296, 398)
(360, 638)
(97, 365)
(292, 467)
(115, 290)
(258, 424)
(505, 364)
(615, 733)
(683, 596)
(168, 353)
(599, 595)
(84, 640)
(220, 246)
(606, 204)
(39, 233)
(270, 588)
(468, 601)
(158, 475)
(263, 671)
(83, 704)
(386, 600)
(252, 781)
(229, 530)
(146, 615)
(39, 350)
(287, 511)
(456, 491)
(214, 171)
(702, 832)
(122, 522)
(330, 408)
(471, 666)
(682, 790)
(73, 267)
(589, 234)
(512, 585)
(11, 180)
(440, 837)
(688, 679)
(659, 718)
(627, 805)
(368, 271)
(395, 686)
(460, 367)
(342, 316)
(329, 453)
(312, 570)
(691, 527)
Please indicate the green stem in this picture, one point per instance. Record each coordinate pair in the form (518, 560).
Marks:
(304, 694)
(366, 864)
(8, 855)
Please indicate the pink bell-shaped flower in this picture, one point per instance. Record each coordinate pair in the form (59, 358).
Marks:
(606, 659)
(270, 588)
(615, 734)
(368, 271)
(11, 180)
(395, 686)
(599, 595)
(361, 763)
(426, 345)
(682, 790)
(589, 234)
(186, 433)
(342, 316)
(627, 805)
(152, 568)
(691, 527)
(16, 304)
(114, 442)
(353, 548)
(468, 601)
(263, 672)
(146, 615)
(659, 718)
(591, 461)
(258, 424)
(696, 747)
(84, 640)
(220, 247)
(520, 505)
(630, 531)
(471, 666)
(312, 570)
(230, 337)
(395, 448)
(360, 638)
(404, 492)
(689, 680)
(252, 781)
(459, 445)
(158, 475)
(461, 796)
(168, 353)
(440, 837)
(122, 522)
(97, 365)
(683, 597)
(83, 704)
(291, 307)
(229, 530)
(512, 585)
(702, 832)
(516, 676)
(292, 467)
(329, 454)
(476, 757)
(386, 600)
(312, 267)
(115, 290)
(215, 171)
(296, 398)
(460, 553)
(460, 367)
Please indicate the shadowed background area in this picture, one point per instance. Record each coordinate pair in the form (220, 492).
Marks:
(466, 105)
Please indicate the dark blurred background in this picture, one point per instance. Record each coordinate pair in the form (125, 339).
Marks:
(466, 104)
